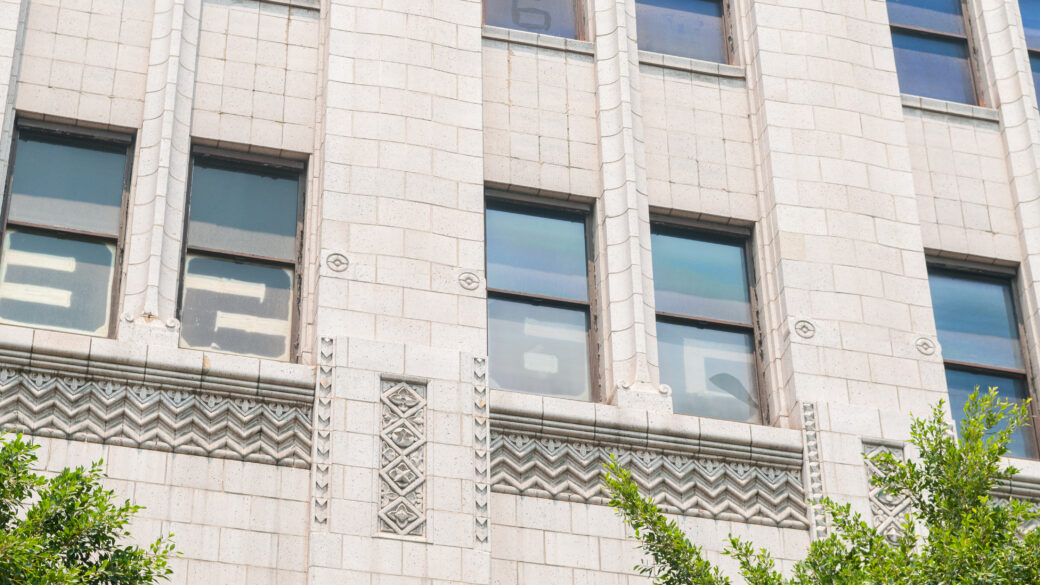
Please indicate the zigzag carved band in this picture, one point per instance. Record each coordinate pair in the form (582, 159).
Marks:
(149, 415)
(683, 482)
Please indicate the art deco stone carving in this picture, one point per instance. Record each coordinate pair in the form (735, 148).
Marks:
(402, 461)
(814, 467)
(481, 452)
(888, 511)
(323, 430)
(537, 458)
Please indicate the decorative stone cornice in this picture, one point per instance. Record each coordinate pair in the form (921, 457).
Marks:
(705, 473)
(193, 409)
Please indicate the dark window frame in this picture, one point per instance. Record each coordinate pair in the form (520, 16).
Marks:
(581, 21)
(973, 72)
(240, 161)
(84, 137)
(728, 47)
(735, 236)
(501, 199)
(1005, 276)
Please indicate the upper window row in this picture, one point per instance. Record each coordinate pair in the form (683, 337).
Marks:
(63, 232)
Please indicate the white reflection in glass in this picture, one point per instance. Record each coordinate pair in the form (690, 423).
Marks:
(57, 283)
(237, 307)
(711, 372)
(67, 186)
(975, 319)
(243, 212)
(538, 349)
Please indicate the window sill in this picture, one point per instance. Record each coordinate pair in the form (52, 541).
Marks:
(691, 65)
(522, 37)
(952, 108)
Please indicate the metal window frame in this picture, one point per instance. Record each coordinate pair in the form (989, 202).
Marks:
(498, 199)
(249, 162)
(973, 73)
(581, 21)
(84, 137)
(1008, 278)
(734, 236)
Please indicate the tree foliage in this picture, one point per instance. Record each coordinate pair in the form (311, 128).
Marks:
(957, 534)
(67, 529)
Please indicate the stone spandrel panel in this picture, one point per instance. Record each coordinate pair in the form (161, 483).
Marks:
(402, 459)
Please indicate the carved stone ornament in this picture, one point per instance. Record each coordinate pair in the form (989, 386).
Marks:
(888, 512)
(469, 280)
(925, 346)
(337, 262)
(566, 463)
(323, 430)
(481, 453)
(814, 467)
(402, 460)
(805, 329)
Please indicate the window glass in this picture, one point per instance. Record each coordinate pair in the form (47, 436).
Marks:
(65, 186)
(933, 67)
(700, 278)
(938, 15)
(1034, 64)
(711, 372)
(57, 283)
(538, 348)
(536, 254)
(237, 307)
(243, 212)
(550, 17)
(961, 384)
(687, 28)
(975, 320)
(1030, 10)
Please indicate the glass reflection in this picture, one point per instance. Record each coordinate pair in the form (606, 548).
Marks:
(1034, 64)
(67, 186)
(711, 372)
(1030, 10)
(243, 212)
(538, 349)
(938, 15)
(549, 17)
(932, 67)
(687, 28)
(961, 384)
(236, 307)
(536, 254)
(975, 319)
(56, 283)
(700, 278)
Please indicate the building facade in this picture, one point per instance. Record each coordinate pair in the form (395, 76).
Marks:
(354, 291)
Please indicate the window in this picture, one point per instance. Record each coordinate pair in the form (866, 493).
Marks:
(1031, 22)
(560, 18)
(538, 300)
(931, 49)
(241, 257)
(979, 332)
(62, 238)
(705, 333)
(686, 28)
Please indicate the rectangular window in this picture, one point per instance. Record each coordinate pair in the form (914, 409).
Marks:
(63, 228)
(538, 300)
(1031, 22)
(687, 28)
(705, 331)
(240, 282)
(559, 18)
(978, 330)
(931, 49)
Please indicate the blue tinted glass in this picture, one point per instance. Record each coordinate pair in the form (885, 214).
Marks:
(1031, 21)
(938, 15)
(1034, 64)
(975, 319)
(536, 254)
(537, 348)
(700, 278)
(237, 307)
(933, 67)
(55, 282)
(962, 384)
(243, 212)
(711, 372)
(67, 186)
(550, 17)
(687, 28)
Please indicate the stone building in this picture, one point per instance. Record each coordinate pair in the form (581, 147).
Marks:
(362, 292)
